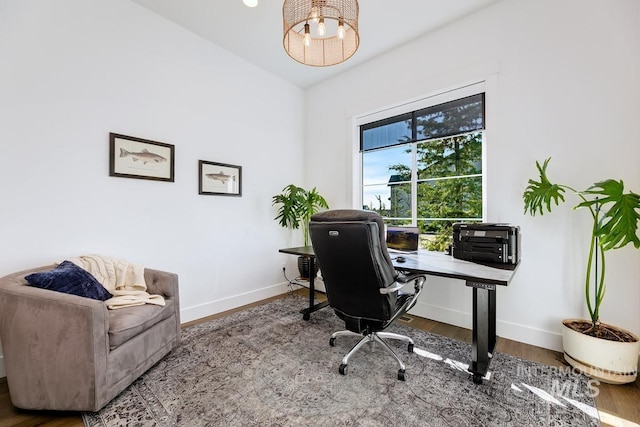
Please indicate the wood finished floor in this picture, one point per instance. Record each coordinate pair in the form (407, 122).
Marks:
(618, 405)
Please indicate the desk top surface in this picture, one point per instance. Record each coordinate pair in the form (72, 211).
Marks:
(300, 250)
(439, 264)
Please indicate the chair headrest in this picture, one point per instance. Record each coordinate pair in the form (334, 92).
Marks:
(351, 215)
(346, 215)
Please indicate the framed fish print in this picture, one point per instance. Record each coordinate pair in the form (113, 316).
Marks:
(219, 179)
(131, 157)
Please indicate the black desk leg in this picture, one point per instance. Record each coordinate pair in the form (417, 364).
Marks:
(306, 312)
(312, 288)
(484, 331)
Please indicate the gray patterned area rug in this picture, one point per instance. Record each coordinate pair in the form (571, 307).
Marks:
(265, 366)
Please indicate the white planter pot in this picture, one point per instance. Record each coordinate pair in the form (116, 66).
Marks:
(608, 361)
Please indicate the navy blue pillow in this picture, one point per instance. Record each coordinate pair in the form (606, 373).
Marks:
(69, 279)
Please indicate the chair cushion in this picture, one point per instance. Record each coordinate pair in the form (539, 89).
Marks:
(68, 278)
(126, 323)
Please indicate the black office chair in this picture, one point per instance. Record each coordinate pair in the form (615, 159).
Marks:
(362, 286)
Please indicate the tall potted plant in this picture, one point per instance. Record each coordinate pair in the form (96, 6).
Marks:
(295, 208)
(602, 351)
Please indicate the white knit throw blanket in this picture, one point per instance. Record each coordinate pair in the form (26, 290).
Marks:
(124, 280)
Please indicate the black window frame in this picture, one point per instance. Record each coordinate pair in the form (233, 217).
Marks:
(469, 124)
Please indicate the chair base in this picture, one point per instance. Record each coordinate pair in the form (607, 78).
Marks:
(373, 337)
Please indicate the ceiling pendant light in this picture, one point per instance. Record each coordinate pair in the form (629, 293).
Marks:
(320, 32)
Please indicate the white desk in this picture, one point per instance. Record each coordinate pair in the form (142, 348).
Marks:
(483, 279)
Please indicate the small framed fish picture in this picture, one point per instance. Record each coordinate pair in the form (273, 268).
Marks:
(219, 179)
(131, 157)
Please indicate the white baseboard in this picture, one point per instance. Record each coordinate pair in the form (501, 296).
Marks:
(529, 335)
(509, 330)
(213, 307)
(442, 314)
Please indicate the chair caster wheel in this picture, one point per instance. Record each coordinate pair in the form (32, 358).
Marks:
(342, 369)
(332, 342)
(401, 375)
(410, 348)
(306, 316)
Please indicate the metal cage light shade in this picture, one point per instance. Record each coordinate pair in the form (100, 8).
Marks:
(320, 32)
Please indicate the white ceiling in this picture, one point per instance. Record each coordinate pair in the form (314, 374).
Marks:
(255, 34)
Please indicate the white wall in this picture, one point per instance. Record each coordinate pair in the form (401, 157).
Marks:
(563, 81)
(72, 71)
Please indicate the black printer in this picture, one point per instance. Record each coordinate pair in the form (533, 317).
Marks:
(486, 242)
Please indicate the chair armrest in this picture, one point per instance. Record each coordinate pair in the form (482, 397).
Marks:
(161, 283)
(51, 339)
(166, 284)
(402, 281)
(393, 288)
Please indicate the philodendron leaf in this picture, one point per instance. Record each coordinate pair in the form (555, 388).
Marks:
(619, 224)
(289, 210)
(539, 194)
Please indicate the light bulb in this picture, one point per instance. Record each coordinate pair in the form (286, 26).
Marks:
(321, 28)
(307, 35)
(314, 14)
(340, 32)
(250, 3)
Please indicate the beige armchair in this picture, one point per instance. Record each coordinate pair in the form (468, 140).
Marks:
(65, 352)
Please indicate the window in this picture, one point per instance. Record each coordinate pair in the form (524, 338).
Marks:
(424, 167)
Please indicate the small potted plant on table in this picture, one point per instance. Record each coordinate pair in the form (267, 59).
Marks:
(602, 351)
(296, 206)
